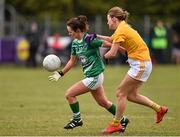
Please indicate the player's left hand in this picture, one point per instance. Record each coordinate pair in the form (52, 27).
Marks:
(55, 76)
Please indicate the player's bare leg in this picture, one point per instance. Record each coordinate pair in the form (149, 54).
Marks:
(143, 100)
(101, 99)
(72, 92)
(122, 92)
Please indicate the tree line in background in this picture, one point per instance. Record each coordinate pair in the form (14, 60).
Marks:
(50, 16)
(60, 9)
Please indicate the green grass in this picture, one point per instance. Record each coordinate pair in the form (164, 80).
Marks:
(31, 105)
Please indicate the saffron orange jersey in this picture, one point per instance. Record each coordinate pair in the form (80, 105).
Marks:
(132, 42)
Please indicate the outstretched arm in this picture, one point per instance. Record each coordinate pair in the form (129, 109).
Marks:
(72, 61)
(113, 51)
(107, 44)
(58, 74)
(105, 38)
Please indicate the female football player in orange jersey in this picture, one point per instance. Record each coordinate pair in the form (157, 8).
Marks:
(140, 66)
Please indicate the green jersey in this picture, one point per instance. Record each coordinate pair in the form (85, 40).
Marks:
(89, 55)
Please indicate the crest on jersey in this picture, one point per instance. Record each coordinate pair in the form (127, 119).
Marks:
(83, 59)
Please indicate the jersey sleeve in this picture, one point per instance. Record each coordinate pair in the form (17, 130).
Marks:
(96, 43)
(118, 36)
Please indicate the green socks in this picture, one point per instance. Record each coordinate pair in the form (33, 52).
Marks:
(112, 109)
(77, 115)
(75, 109)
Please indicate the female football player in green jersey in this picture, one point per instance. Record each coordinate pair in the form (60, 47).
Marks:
(85, 47)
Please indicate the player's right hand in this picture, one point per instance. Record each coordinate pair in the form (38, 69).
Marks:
(55, 76)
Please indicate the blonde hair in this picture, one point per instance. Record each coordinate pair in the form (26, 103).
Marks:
(119, 13)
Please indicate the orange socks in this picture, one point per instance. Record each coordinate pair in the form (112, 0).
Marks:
(156, 107)
(115, 122)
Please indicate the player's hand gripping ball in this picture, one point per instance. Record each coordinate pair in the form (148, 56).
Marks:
(51, 62)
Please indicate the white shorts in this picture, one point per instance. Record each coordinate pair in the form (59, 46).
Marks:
(94, 82)
(139, 70)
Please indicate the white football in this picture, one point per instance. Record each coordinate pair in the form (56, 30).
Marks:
(51, 62)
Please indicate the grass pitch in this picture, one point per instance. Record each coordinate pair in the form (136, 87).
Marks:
(30, 105)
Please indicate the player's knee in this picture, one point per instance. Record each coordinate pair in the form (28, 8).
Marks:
(68, 95)
(120, 93)
(70, 98)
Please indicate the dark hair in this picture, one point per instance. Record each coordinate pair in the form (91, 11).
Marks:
(119, 13)
(79, 22)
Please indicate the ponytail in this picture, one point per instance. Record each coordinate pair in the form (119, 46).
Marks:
(119, 13)
(84, 20)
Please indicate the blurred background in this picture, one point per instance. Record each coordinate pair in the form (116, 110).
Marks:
(31, 29)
